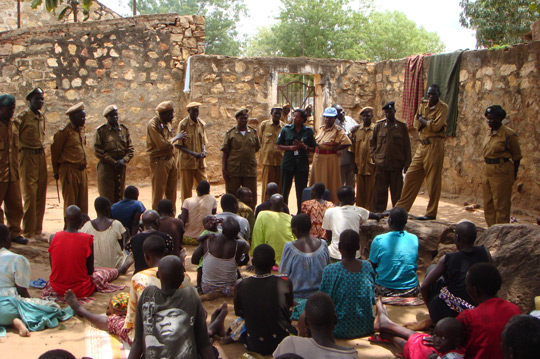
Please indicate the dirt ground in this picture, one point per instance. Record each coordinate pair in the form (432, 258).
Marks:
(70, 335)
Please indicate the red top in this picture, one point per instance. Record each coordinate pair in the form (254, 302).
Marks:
(69, 252)
(483, 325)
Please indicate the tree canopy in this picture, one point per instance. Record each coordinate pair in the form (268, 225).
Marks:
(498, 22)
(221, 19)
(333, 29)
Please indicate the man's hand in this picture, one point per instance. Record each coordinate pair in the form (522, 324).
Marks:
(203, 154)
(120, 164)
(181, 136)
(226, 176)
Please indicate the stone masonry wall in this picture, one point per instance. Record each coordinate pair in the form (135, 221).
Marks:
(41, 17)
(134, 63)
(506, 77)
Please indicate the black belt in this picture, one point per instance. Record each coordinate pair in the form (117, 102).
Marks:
(425, 142)
(494, 161)
(35, 151)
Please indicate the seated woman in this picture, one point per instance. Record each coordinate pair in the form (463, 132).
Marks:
(109, 234)
(17, 308)
(304, 259)
(351, 284)
(71, 255)
(222, 253)
(315, 209)
(443, 289)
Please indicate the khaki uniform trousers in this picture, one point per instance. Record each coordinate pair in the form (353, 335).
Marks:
(186, 181)
(111, 182)
(164, 180)
(33, 170)
(497, 191)
(384, 179)
(427, 163)
(235, 182)
(10, 197)
(74, 186)
(364, 191)
(347, 174)
(270, 174)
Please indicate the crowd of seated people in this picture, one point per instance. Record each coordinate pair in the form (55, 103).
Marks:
(296, 277)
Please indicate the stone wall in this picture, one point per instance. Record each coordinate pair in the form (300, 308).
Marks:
(506, 77)
(134, 63)
(41, 17)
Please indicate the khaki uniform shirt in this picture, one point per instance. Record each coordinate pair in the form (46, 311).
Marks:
(68, 147)
(334, 134)
(268, 133)
(9, 152)
(390, 146)
(196, 141)
(502, 143)
(361, 138)
(241, 149)
(31, 129)
(158, 140)
(113, 144)
(435, 117)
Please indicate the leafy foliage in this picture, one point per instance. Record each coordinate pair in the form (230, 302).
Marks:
(332, 29)
(69, 7)
(221, 19)
(498, 22)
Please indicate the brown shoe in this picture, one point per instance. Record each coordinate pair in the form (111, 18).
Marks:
(40, 237)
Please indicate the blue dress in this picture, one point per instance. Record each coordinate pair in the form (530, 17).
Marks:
(354, 296)
(304, 269)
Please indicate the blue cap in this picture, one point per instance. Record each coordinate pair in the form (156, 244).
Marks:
(7, 100)
(330, 112)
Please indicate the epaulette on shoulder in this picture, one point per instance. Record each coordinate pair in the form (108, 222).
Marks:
(124, 126)
(64, 127)
(381, 120)
(253, 128)
(100, 126)
(230, 129)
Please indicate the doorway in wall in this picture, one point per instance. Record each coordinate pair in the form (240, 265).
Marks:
(298, 90)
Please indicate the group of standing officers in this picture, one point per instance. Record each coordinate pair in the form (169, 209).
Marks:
(378, 154)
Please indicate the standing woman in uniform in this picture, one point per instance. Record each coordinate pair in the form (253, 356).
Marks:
(330, 139)
(502, 156)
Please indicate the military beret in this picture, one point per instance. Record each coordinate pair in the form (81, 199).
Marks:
(35, 91)
(277, 107)
(7, 100)
(330, 112)
(497, 111)
(75, 108)
(165, 106)
(367, 108)
(193, 105)
(389, 106)
(242, 111)
(109, 109)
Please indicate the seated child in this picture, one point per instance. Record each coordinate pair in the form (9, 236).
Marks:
(520, 338)
(128, 211)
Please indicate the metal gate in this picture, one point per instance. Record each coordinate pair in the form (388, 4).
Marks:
(296, 93)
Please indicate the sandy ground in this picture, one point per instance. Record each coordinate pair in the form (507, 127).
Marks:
(70, 334)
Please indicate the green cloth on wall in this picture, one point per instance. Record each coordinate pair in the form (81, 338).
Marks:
(444, 71)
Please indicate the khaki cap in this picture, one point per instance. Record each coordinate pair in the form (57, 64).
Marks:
(193, 105)
(165, 106)
(75, 108)
(366, 109)
(241, 112)
(109, 109)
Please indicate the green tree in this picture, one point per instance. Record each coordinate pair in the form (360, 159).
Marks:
(497, 22)
(69, 6)
(221, 18)
(332, 29)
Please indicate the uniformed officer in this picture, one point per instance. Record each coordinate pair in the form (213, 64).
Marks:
(33, 166)
(390, 148)
(192, 161)
(364, 167)
(113, 148)
(502, 156)
(68, 159)
(346, 158)
(271, 155)
(239, 163)
(10, 188)
(160, 147)
(428, 160)
(286, 110)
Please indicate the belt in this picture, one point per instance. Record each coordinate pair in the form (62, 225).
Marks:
(425, 142)
(494, 161)
(166, 158)
(325, 152)
(35, 151)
